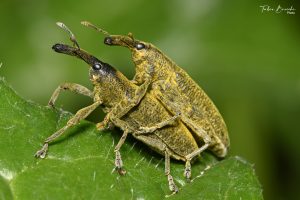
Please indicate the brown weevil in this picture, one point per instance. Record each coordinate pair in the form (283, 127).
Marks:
(161, 130)
(176, 90)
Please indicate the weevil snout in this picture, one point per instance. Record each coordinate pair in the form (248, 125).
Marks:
(119, 40)
(100, 69)
(66, 49)
(125, 41)
(73, 51)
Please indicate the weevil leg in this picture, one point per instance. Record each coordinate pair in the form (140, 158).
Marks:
(151, 129)
(188, 170)
(115, 122)
(103, 127)
(73, 87)
(123, 107)
(175, 108)
(118, 159)
(172, 185)
(198, 130)
(81, 114)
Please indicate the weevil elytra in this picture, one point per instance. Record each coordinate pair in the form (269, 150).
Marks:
(176, 90)
(162, 131)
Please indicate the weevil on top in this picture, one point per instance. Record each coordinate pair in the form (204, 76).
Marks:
(160, 111)
(176, 90)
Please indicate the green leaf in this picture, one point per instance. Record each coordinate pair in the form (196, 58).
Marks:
(80, 164)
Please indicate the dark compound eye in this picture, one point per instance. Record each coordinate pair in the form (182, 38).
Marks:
(139, 46)
(96, 66)
(108, 41)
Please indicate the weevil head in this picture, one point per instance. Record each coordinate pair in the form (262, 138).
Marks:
(99, 71)
(111, 85)
(141, 51)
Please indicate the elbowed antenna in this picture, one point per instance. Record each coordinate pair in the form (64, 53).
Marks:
(122, 40)
(89, 24)
(72, 36)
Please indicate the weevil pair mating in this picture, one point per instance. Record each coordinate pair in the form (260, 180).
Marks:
(161, 107)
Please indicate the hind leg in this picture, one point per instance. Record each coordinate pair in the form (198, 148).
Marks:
(188, 169)
(172, 185)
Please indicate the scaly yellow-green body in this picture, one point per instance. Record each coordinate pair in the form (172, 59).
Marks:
(115, 88)
(149, 121)
(177, 91)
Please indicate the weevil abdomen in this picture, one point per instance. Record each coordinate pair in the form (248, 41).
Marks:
(203, 108)
(177, 137)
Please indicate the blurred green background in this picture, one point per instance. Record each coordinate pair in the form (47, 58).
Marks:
(247, 62)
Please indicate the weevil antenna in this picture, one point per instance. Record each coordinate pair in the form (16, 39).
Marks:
(72, 36)
(89, 24)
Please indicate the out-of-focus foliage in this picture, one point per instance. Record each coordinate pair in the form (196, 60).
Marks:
(247, 61)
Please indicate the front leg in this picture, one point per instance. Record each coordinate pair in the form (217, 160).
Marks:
(81, 114)
(73, 87)
(123, 107)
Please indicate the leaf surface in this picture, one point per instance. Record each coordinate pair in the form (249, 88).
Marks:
(80, 164)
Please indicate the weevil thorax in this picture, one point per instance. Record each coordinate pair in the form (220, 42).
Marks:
(110, 85)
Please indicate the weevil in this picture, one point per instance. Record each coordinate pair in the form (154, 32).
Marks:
(162, 131)
(176, 90)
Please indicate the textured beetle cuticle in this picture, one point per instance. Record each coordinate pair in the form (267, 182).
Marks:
(162, 106)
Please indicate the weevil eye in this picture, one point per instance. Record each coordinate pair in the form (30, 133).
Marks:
(140, 46)
(108, 41)
(96, 66)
